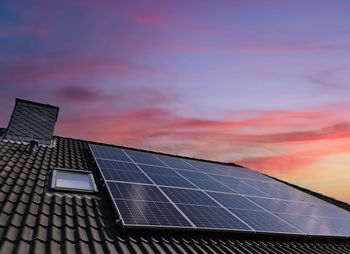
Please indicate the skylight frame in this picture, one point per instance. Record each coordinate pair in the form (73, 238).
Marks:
(54, 178)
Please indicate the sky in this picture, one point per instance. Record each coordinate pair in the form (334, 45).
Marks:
(263, 83)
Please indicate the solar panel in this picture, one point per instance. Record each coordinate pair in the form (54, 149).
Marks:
(265, 222)
(234, 201)
(145, 205)
(145, 158)
(151, 190)
(122, 171)
(308, 224)
(204, 181)
(194, 197)
(213, 217)
(110, 153)
(175, 162)
(239, 186)
(166, 176)
(274, 205)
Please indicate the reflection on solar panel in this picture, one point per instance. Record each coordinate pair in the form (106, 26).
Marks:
(151, 190)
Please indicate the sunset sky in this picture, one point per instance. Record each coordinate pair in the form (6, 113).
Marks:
(263, 83)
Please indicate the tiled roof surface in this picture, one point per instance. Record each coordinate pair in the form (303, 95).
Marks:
(32, 121)
(35, 220)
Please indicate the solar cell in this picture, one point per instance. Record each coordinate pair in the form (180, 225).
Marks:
(212, 217)
(264, 221)
(145, 158)
(107, 152)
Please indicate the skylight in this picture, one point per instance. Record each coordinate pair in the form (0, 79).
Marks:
(73, 180)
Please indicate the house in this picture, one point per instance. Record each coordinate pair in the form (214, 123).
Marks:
(42, 214)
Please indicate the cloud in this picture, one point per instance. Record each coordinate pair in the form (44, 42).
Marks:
(81, 94)
(329, 79)
(53, 68)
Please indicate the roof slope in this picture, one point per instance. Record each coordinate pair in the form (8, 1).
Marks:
(33, 220)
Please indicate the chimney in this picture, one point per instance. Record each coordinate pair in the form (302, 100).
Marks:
(32, 122)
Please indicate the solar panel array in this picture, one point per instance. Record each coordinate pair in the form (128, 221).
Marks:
(152, 190)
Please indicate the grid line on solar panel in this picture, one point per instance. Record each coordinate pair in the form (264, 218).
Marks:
(214, 217)
(107, 152)
(150, 213)
(264, 221)
(143, 157)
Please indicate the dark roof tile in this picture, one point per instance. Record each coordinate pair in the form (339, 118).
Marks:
(69, 221)
(12, 233)
(41, 233)
(54, 247)
(27, 234)
(69, 247)
(69, 234)
(6, 246)
(43, 220)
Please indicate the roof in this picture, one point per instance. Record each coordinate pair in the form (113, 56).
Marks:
(35, 220)
(32, 121)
